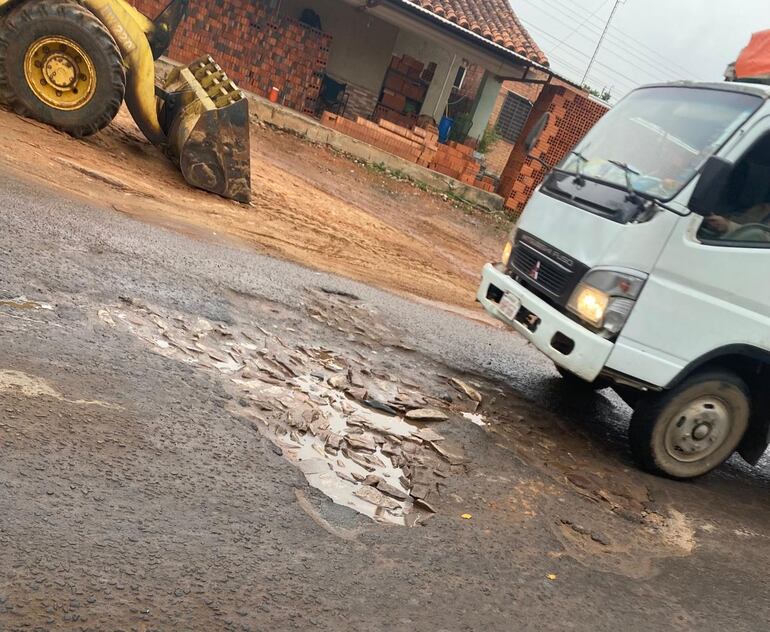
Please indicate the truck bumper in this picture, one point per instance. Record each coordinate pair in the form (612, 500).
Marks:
(550, 331)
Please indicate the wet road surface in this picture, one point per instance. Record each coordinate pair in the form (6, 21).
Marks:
(154, 475)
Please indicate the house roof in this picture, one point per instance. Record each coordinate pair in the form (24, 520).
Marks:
(492, 19)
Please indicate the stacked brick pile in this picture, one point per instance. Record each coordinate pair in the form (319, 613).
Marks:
(573, 113)
(487, 183)
(257, 48)
(417, 145)
(456, 161)
(403, 92)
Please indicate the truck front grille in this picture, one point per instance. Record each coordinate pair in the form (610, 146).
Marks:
(540, 270)
(545, 270)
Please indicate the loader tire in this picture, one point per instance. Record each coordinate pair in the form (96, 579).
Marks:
(60, 65)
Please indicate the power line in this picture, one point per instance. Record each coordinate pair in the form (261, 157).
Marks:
(601, 39)
(640, 46)
(560, 5)
(597, 73)
(612, 38)
(652, 72)
(657, 73)
(653, 76)
(646, 70)
(582, 24)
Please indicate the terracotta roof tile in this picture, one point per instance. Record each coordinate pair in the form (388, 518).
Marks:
(492, 19)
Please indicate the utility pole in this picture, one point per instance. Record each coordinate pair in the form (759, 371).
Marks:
(601, 39)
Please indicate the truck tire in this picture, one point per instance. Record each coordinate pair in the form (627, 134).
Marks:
(60, 65)
(691, 429)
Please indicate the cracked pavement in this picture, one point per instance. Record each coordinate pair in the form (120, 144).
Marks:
(137, 492)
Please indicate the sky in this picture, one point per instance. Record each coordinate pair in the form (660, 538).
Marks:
(648, 40)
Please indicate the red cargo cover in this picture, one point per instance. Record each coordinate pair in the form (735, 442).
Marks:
(754, 61)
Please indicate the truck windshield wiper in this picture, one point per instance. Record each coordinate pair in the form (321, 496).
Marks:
(633, 194)
(579, 179)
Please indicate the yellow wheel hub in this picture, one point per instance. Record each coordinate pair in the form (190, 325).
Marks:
(60, 73)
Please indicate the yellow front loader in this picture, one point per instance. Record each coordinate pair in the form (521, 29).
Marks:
(71, 63)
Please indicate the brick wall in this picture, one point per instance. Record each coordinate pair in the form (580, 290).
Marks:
(497, 156)
(573, 113)
(474, 75)
(257, 48)
(500, 151)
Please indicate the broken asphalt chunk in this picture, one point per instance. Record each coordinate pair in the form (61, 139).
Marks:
(466, 389)
(362, 442)
(338, 381)
(376, 497)
(354, 377)
(378, 405)
(390, 490)
(427, 414)
(422, 504)
(452, 457)
(427, 434)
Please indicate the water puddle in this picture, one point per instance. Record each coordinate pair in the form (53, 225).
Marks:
(22, 302)
(475, 418)
(336, 419)
(32, 386)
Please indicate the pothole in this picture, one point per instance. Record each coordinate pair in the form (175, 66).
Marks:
(22, 302)
(343, 423)
(32, 386)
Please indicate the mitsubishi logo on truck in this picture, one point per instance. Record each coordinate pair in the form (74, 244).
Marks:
(534, 273)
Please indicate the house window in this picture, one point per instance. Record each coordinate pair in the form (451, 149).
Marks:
(513, 116)
(460, 78)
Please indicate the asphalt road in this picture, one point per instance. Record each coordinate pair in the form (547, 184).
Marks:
(136, 494)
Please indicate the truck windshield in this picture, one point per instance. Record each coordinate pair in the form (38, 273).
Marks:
(659, 137)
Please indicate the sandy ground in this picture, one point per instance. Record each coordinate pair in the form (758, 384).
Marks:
(310, 205)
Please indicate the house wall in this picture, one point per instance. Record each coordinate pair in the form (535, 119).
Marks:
(500, 151)
(573, 113)
(362, 44)
(256, 47)
(486, 100)
(497, 156)
(447, 63)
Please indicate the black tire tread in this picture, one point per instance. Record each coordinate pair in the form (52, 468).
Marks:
(69, 10)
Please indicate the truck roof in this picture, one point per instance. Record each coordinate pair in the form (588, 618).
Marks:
(762, 90)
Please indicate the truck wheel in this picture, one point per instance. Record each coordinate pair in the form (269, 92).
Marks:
(60, 65)
(691, 429)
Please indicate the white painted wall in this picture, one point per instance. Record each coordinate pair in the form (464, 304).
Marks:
(484, 105)
(362, 44)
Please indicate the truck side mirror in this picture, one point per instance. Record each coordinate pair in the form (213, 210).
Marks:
(712, 186)
(536, 132)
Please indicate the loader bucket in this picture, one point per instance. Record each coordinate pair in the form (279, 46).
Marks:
(206, 121)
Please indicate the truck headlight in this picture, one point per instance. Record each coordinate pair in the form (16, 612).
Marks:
(507, 250)
(605, 297)
(590, 304)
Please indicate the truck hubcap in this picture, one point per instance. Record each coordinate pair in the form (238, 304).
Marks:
(698, 430)
(60, 73)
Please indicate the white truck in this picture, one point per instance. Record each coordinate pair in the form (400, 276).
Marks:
(643, 263)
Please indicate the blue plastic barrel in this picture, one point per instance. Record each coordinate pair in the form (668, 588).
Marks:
(444, 129)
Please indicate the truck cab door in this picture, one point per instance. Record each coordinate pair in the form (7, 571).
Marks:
(710, 287)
